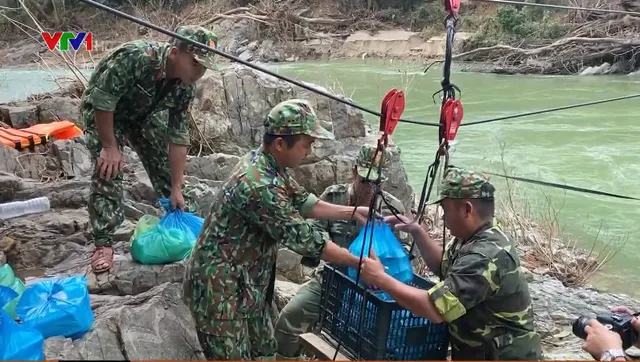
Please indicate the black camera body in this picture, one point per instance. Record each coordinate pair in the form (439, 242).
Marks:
(616, 322)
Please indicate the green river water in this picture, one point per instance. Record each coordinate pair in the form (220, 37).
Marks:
(595, 147)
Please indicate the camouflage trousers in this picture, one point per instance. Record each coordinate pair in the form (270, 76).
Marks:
(106, 198)
(254, 342)
(298, 317)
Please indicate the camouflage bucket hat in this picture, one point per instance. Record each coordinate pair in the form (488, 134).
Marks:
(200, 35)
(365, 161)
(295, 116)
(459, 183)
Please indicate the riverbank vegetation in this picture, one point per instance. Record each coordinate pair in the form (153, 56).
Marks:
(510, 39)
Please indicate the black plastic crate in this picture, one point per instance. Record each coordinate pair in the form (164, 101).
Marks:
(389, 331)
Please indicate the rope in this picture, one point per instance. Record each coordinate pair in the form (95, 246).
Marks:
(565, 187)
(329, 95)
(250, 65)
(561, 108)
(511, 2)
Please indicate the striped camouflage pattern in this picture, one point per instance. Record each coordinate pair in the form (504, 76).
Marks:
(259, 208)
(295, 116)
(485, 299)
(460, 183)
(126, 81)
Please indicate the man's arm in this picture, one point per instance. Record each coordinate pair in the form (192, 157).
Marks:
(115, 80)
(327, 211)
(104, 124)
(178, 135)
(412, 298)
(471, 279)
(430, 251)
(285, 223)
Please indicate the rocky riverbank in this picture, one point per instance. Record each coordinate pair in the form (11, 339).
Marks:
(132, 300)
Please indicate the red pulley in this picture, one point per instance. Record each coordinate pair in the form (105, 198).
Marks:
(452, 112)
(452, 6)
(392, 107)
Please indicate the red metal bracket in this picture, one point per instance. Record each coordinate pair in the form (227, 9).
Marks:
(452, 6)
(451, 116)
(391, 111)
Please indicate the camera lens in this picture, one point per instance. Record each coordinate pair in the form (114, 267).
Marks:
(579, 325)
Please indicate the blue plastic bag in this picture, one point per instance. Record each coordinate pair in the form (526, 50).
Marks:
(9, 279)
(57, 307)
(387, 248)
(17, 342)
(178, 219)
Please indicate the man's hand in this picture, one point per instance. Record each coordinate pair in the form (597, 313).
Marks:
(176, 199)
(403, 223)
(110, 163)
(635, 323)
(600, 339)
(372, 269)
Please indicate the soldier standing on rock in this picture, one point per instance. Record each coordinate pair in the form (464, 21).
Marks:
(483, 295)
(303, 310)
(124, 98)
(229, 279)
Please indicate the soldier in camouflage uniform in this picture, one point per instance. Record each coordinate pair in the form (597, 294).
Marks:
(140, 92)
(232, 268)
(303, 310)
(483, 295)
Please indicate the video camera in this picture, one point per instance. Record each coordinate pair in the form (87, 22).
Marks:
(616, 322)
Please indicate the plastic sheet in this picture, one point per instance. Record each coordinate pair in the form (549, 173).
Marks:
(178, 219)
(57, 307)
(17, 342)
(8, 279)
(387, 248)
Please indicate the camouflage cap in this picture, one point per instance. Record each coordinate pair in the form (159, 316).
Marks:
(295, 116)
(460, 183)
(365, 161)
(200, 35)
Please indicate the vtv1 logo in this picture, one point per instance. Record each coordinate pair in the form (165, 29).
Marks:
(62, 39)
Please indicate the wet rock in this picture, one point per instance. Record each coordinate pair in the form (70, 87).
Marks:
(9, 186)
(125, 231)
(150, 326)
(20, 116)
(70, 194)
(9, 160)
(229, 111)
(73, 157)
(283, 292)
(217, 166)
(556, 307)
(128, 277)
(45, 240)
(289, 266)
(60, 109)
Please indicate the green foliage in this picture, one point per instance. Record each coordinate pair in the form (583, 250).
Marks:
(509, 25)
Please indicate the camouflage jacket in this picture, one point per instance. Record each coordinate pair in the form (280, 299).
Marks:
(230, 268)
(484, 298)
(128, 80)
